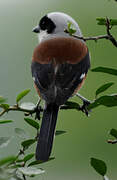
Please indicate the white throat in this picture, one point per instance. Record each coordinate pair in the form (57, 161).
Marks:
(42, 35)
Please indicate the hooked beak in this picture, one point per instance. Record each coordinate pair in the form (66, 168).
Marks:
(36, 29)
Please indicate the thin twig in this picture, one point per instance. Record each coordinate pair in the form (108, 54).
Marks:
(2, 112)
(110, 37)
(24, 177)
(95, 38)
(17, 108)
(107, 36)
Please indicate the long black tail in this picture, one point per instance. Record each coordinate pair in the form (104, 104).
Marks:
(46, 135)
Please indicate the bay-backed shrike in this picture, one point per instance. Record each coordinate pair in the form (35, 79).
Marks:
(60, 63)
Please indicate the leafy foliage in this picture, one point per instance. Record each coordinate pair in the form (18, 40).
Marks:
(28, 143)
(57, 133)
(2, 100)
(28, 157)
(7, 160)
(71, 28)
(22, 94)
(113, 132)
(105, 70)
(4, 106)
(32, 122)
(39, 162)
(103, 88)
(70, 105)
(5, 121)
(102, 21)
(99, 166)
(107, 100)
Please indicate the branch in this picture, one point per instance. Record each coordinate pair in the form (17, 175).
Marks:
(38, 108)
(18, 108)
(24, 177)
(107, 36)
(95, 38)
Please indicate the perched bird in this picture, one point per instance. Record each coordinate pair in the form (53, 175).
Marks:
(59, 66)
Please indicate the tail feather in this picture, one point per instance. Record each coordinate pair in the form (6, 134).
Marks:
(45, 141)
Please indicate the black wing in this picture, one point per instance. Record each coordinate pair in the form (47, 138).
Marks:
(58, 86)
(69, 77)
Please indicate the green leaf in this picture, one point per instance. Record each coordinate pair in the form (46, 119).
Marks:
(40, 162)
(105, 70)
(59, 132)
(4, 141)
(20, 132)
(4, 106)
(103, 88)
(102, 21)
(5, 121)
(28, 157)
(108, 101)
(28, 143)
(19, 161)
(22, 94)
(70, 105)
(113, 132)
(35, 163)
(27, 105)
(7, 160)
(69, 24)
(32, 122)
(30, 171)
(71, 28)
(2, 100)
(99, 166)
(113, 22)
(93, 105)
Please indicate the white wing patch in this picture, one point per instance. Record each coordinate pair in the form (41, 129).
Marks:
(33, 78)
(82, 76)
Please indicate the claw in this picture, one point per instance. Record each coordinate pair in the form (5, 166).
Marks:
(38, 110)
(86, 102)
(84, 109)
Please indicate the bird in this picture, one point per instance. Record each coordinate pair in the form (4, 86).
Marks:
(60, 63)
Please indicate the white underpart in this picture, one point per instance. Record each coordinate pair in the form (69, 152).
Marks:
(42, 35)
(82, 76)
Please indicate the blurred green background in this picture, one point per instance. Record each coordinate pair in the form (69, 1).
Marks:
(85, 137)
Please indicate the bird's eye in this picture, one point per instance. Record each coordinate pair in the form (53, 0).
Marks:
(43, 22)
(47, 24)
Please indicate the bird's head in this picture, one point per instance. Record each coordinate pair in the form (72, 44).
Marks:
(54, 24)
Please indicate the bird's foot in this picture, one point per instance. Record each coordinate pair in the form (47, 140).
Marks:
(38, 110)
(84, 107)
